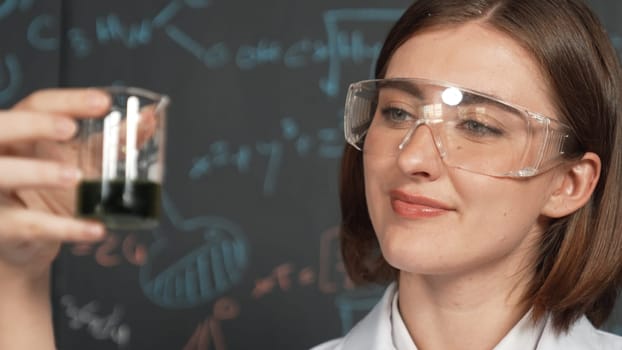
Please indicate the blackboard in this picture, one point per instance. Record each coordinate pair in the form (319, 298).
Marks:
(247, 255)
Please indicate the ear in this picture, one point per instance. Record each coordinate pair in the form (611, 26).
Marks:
(573, 187)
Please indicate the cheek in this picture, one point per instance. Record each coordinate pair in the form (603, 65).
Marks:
(500, 209)
(376, 175)
(495, 218)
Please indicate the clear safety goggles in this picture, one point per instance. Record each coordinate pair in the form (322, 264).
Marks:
(471, 130)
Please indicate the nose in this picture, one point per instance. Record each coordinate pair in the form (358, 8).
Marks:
(419, 155)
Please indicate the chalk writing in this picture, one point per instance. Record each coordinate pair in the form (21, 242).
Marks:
(10, 77)
(326, 143)
(352, 304)
(342, 45)
(41, 33)
(209, 332)
(108, 29)
(99, 326)
(202, 274)
(614, 323)
(332, 276)
(198, 277)
(217, 264)
(10, 6)
(215, 56)
(281, 276)
(114, 250)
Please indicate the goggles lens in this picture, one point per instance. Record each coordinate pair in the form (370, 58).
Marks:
(471, 130)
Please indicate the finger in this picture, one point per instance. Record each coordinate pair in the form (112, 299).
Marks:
(29, 225)
(145, 129)
(86, 102)
(27, 173)
(147, 126)
(19, 125)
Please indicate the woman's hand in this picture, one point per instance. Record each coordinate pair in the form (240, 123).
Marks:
(38, 177)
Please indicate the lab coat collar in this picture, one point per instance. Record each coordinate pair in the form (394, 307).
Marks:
(374, 331)
(523, 336)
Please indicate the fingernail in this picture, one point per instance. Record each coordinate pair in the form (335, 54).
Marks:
(70, 175)
(66, 127)
(98, 100)
(94, 230)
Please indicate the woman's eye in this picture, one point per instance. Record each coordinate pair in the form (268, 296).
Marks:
(477, 128)
(395, 115)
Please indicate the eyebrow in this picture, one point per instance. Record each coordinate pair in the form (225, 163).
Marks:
(468, 98)
(472, 99)
(403, 85)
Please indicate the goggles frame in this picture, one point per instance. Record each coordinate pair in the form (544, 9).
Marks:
(358, 117)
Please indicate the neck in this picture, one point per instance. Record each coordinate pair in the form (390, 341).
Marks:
(475, 309)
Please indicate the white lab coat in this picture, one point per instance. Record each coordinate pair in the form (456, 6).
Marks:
(374, 332)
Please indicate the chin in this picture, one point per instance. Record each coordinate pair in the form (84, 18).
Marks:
(406, 252)
(415, 252)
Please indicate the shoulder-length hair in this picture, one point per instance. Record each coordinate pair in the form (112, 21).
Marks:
(579, 267)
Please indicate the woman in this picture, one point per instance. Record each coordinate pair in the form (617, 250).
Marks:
(483, 178)
(35, 207)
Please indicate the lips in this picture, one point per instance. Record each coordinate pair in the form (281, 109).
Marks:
(417, 206)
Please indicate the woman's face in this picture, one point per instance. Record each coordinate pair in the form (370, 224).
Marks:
(432, 219)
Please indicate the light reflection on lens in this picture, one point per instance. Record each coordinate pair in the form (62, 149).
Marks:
(452, 96)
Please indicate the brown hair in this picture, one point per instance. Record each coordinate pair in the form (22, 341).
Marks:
(579, 268)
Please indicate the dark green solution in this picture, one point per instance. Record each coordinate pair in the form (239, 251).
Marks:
(120, 204)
